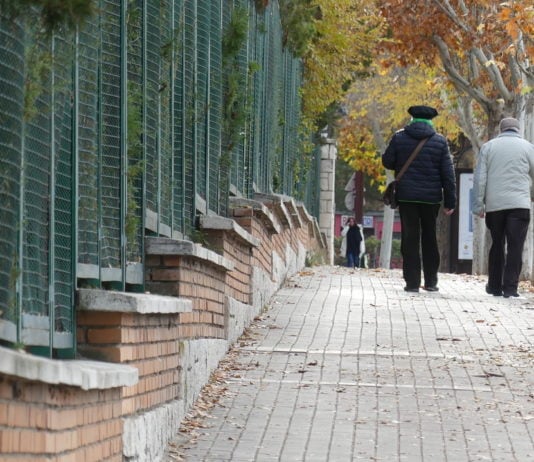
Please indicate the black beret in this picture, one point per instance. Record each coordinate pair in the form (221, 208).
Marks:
(422, 112)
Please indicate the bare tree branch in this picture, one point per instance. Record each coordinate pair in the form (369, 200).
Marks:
(515, 70)
(458, 81)
(466, 119)
(527, 69)
(453, 16)
(473, 67)
(494, 73)
(463, 7)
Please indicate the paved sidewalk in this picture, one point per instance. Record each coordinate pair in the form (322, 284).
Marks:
(346, 366)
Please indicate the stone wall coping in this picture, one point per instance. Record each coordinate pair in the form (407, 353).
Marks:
(260, 211)
(293, 211)
(85, 374)
(304, 212)
(130, 302)
(306, 217)
(276, 201)
(227, 224)
(319, 235)
(314, 224)
(167, 246)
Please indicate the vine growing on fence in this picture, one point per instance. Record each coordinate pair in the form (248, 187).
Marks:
(236, 105)
(53, 14)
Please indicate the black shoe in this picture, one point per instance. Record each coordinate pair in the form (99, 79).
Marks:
(495, 293)
(411, 289)
(510, 294)
(431, 288)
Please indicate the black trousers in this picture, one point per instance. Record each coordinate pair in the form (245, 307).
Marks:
(508, 228)
(418, 239)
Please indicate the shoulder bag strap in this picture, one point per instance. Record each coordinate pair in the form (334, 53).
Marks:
(412, 157)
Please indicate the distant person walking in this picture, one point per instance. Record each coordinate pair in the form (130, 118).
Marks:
(353, 244)
(428, 181)
(502, 193)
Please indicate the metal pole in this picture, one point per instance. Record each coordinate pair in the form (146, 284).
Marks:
(195, 114)
(75, 185)
(358, 197)
(207, 132)
(51, 211)
(183, 109)
(172, 103)
(99, 149)
(20, 233)
(144, 125)
(123, 139)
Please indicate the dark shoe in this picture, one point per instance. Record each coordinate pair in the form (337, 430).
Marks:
(411, 289)
(510, 294)
(431, 288)
(495, 293)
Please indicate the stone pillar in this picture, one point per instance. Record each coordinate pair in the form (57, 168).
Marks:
(327, 195)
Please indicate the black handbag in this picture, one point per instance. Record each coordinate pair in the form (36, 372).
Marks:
(390, 194)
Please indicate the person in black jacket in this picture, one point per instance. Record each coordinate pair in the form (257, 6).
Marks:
(352, 245)
(427, 182)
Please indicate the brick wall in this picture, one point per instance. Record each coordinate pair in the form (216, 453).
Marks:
(192, 278)
(239, 252)
(261, 255)
(147, 342)
(173, 350)
(280, 243)
(39, 421)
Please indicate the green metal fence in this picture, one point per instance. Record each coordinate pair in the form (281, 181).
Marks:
(118, 130)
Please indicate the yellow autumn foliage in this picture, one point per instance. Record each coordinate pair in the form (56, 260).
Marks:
(377, 107)
(347, 31)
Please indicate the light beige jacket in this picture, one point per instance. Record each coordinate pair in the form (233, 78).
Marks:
(504, 174)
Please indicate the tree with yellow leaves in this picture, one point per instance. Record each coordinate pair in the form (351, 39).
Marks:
(485, 48)
(377, 107)
(345, 35)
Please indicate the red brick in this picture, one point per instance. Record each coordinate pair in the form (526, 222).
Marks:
(172, 260)
(112, 354)
(60, 419)
(66, 440)
(244, 212)
(206, 318)
(110, 335)
(165, 274)
(80, 335)
(99, 318)
(152, 260)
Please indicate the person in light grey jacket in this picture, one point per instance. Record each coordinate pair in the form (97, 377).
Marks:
(502, 193)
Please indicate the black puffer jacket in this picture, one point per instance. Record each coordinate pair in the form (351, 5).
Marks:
(430, 177)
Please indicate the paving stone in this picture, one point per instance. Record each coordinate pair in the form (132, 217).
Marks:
(346, 366)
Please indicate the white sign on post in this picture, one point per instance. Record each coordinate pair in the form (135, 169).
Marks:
(465, 217)
(349, 201)
(368, 221)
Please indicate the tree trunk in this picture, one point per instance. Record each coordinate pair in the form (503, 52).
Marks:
(481, 244)
(387, 231)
